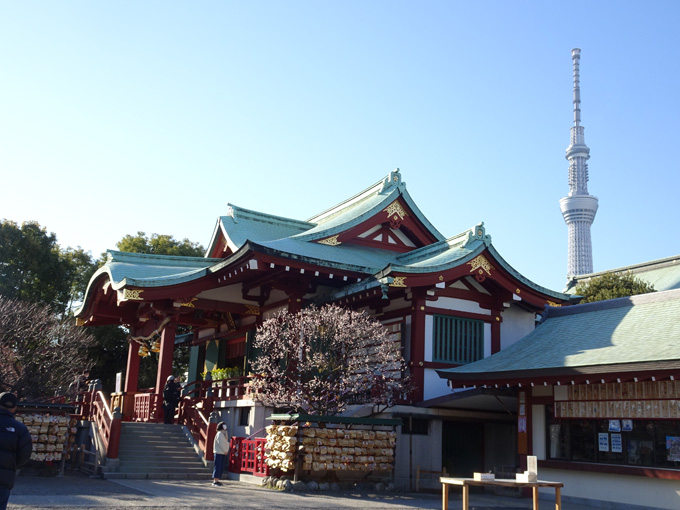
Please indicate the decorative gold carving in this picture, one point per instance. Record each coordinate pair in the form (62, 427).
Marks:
(517, 290)
(330, 241)
(441, 278)
(552, 303)
(188, 302)
(80, 322)
(480, 264)
(231, 325)
(395, 209)
(399, 281)
(252, 310)
(132, 295)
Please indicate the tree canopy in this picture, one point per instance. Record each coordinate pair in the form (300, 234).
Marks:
(322, 359)
(612, 286)
(159, 244)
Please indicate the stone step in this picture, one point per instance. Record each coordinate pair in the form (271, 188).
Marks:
(157, 451)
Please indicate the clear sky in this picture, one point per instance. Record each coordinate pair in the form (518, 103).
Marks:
(126, 116)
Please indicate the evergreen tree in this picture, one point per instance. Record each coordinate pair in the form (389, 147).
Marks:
(159, 244)
(612, 286)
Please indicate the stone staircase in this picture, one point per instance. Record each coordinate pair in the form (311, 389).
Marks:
(156, 451)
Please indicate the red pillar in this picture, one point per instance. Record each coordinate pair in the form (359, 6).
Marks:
(496, 331)
(418, 344)
(132, 371)
(165, 359)
(294, 302)
(131, 379)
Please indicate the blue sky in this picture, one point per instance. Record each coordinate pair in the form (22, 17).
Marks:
(118, 117)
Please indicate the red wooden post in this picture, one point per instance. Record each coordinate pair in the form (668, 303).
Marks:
(496, 331)
(209, 438)
(131, 379)
(418, 344)
(132, 371)
(114, 437)
(165, 361)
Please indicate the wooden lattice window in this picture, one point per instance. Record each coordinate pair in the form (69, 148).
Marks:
(457, 340)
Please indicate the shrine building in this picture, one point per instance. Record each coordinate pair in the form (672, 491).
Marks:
(449, 301)
(598, 388)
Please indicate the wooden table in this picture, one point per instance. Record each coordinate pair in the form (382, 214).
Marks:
(465, 483)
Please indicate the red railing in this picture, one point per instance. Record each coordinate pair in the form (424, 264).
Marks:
(200, 428)
(146, 406)
(247, 456)
(108, 425)
(231, 389)
(223, 389)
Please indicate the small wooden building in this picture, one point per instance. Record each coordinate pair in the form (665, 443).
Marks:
(598, 390)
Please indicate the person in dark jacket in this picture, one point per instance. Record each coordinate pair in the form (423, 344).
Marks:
(15, 446)
(171, 397)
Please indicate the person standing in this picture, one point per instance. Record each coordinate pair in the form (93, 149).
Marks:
(220, 449)
(15, 446)
(171, 397)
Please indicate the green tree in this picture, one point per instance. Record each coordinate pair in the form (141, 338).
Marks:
(160, 244)
(612, 286)
(32, 268)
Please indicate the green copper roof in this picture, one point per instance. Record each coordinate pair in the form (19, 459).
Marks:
(636, 329)
(363, 206)
(296, 240)
(144, 270)
(662, 274)
(242, 225)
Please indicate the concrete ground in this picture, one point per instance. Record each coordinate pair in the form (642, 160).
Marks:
(78, 491)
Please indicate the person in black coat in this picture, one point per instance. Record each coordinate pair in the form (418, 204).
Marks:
(171, 397)
(15, 446)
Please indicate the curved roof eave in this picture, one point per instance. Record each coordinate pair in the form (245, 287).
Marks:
(362, 207)
(87, 296)
(121, 267)
(462, 249)
(536, 287)
(213, 238)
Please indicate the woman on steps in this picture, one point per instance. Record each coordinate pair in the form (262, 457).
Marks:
(221, 449)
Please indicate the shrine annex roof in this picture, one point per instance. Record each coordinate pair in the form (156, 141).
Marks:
(662, 274)
(617, 335)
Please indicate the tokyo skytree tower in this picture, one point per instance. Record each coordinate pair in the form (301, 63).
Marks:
(578, 208)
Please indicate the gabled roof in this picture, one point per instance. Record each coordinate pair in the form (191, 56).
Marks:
(364, 205)
(620, 335)
(662, 274)
(241, 225)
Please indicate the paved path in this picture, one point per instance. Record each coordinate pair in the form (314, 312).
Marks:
(82, 493)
